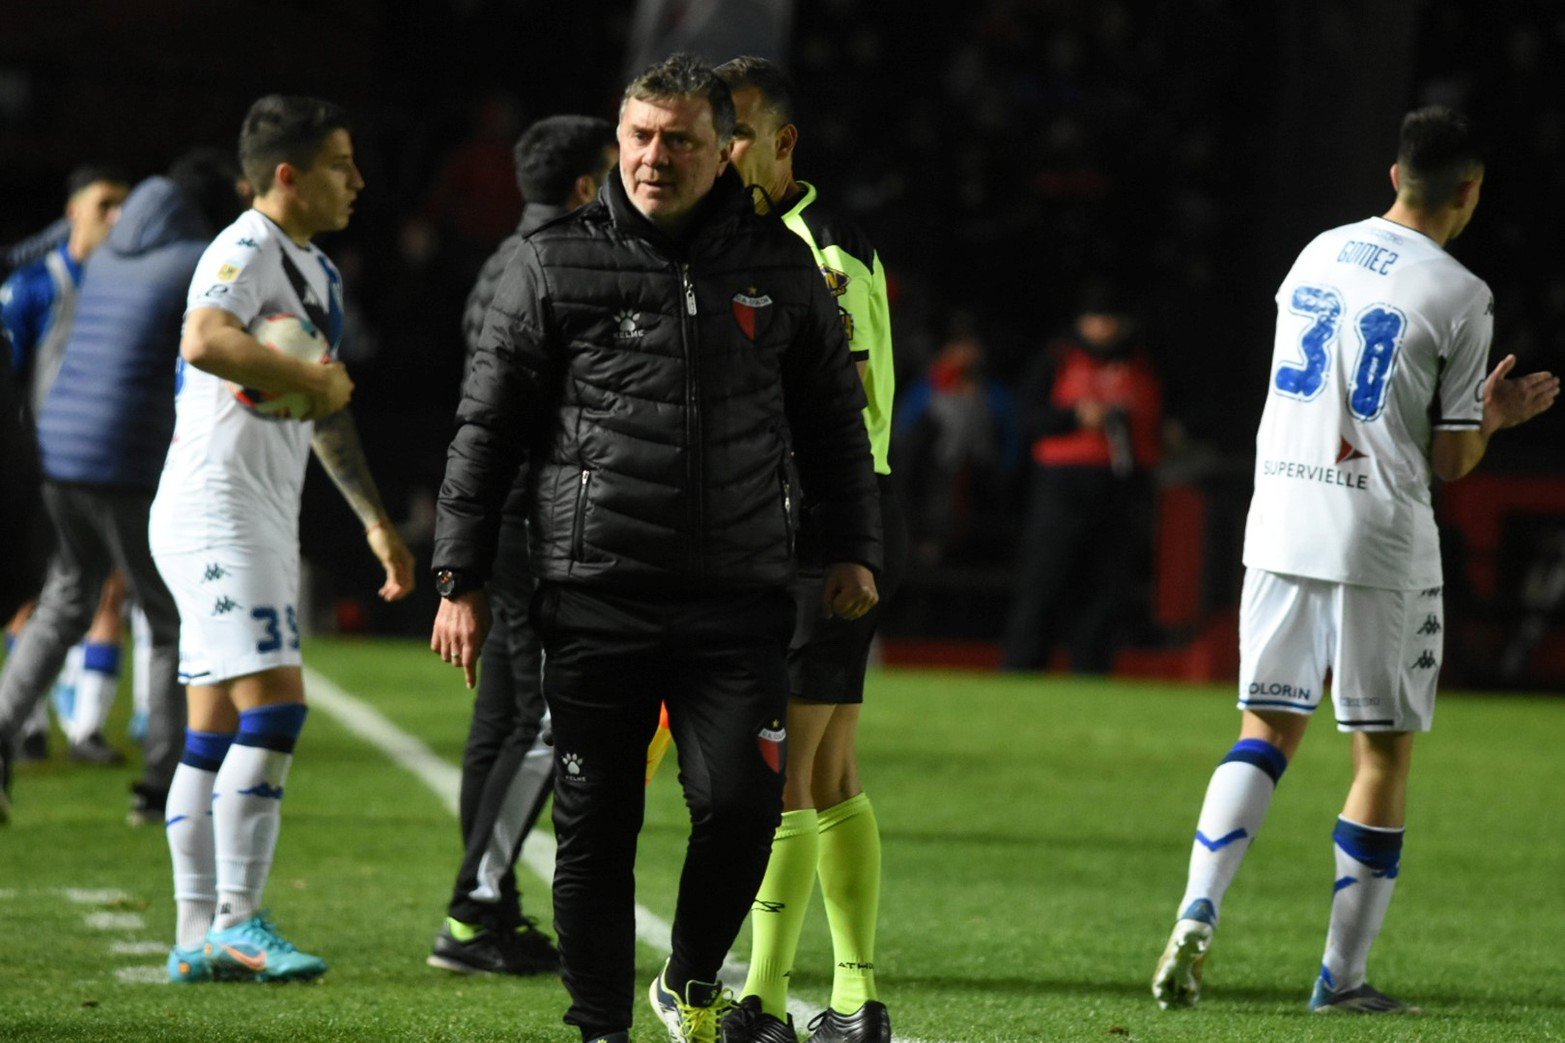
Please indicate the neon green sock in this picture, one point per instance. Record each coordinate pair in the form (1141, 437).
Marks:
(777, 916)
(850, 883)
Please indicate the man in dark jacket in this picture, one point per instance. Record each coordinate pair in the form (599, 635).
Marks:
(103, 432)
(655, 357)
(507, 767)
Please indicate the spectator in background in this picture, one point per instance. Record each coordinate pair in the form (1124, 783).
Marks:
(957, 440)
(1092, 407)
(36, 305)
(507, 768)
(103, 432)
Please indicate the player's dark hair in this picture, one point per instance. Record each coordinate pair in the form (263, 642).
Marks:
(91, 174)
(685, 76)
(555, 151)
(766, 76)
(1438, 150)
(209, 178)
(282, 128)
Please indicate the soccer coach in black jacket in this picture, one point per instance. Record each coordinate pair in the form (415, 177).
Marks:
(665, 359)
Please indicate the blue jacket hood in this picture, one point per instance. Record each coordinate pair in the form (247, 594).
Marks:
(155, 214)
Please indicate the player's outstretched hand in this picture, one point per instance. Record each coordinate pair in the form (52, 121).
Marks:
(1507, 403)
(394, 557)
(334, 393)
(850, 590)
(461, 625)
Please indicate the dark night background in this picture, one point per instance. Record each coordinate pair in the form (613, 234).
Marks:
(998, 153)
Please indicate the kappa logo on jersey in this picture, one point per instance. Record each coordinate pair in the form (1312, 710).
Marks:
(771, 741)
(629, 325)
(836, 282)
(747, 309)
(229, 272)
(1348, 451)
(215, 290)
(251, 243)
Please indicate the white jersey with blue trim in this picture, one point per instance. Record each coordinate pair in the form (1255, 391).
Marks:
(1382, 339)
(233, 478)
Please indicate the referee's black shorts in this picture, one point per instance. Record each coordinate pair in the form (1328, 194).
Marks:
(828, 656)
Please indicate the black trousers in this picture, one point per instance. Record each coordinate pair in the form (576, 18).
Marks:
(1083, 549)
(507, 773)
(718, 659)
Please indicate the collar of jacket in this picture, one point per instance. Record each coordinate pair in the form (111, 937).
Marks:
(536, 215)
(726, 203)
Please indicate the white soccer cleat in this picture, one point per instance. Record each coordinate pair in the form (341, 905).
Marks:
(1177, 980)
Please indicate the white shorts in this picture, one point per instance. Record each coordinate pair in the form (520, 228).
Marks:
(238, 610)
(1383, 648)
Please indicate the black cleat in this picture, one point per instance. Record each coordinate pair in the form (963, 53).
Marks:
(474, 949)
(871, 1023)
(94, 749)
(746, 1022)
(147, 805)
(35, 747)
(527, 950)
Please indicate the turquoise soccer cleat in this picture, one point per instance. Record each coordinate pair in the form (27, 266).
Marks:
(254, 951)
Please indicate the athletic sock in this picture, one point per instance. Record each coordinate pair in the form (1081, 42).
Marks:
(1368, 860)
(777, 916)
(1236, 803)
(63, 695)
(247, 807)
(95, 688)
(188, 821)
(141, 661)
(849, 869)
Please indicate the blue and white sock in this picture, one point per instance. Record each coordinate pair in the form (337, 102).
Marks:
(1237, 800)
(247, 807)
(95, 688)
(188, 823)
(1368, 860)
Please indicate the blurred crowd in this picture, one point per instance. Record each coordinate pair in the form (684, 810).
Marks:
(1006, 156)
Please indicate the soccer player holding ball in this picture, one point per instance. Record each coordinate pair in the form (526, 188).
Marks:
(1377, 383)
(225, 528)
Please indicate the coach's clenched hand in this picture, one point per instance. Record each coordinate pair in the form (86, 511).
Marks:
(850, 590)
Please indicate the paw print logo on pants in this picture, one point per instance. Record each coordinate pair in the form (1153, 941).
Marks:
(572, 764)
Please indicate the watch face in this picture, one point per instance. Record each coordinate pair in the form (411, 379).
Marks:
(445, 582)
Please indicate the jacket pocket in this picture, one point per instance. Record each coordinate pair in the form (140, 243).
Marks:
(579, 518)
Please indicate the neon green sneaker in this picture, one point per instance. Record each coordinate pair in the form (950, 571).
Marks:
(695, 1018)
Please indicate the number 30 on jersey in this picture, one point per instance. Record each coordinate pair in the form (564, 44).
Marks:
(1379, 328)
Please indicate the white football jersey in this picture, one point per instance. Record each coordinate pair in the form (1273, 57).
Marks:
(1382, 338)
(233, 478)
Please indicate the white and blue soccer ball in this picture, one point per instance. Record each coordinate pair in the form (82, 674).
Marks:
(292, 336)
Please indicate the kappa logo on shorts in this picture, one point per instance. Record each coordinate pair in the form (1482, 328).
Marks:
(1431, 625)
(224, 605)
(1432, 592)
(214, 571)
(1425, 662)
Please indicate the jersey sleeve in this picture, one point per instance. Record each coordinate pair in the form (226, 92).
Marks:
(22, 309)
(228, 276)
(1466, 361)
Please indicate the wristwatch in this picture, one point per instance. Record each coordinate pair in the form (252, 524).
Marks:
(450, 583)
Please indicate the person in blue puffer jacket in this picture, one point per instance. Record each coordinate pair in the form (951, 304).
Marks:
(103, 431)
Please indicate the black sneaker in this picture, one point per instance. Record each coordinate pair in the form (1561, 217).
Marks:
(94, 749)
(746, 1022)
(871, 1023)
(147, 805)
(527, 950)
(35, 747)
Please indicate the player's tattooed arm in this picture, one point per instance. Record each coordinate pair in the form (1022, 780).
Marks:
(339, 450)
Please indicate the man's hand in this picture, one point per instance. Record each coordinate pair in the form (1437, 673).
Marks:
(850, 590)
(395, 557)
(460, 628)
(1507, 403)
(335, 390)
(1090, 414)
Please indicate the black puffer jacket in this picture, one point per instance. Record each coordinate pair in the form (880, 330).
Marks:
(657, 389)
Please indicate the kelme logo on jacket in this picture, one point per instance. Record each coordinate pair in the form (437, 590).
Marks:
(747, 306)
(627, 325)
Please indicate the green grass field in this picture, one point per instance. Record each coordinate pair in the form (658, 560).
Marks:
(1036, 832)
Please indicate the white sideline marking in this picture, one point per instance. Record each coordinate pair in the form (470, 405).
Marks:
(86, 896)
(138, 948)
(142, 975)
(445, 780)
(7, 892)
(115, 921)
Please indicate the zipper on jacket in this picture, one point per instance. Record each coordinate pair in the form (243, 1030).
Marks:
(578, 522)
(694, 466)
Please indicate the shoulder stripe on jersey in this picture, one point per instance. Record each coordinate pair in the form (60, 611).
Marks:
(830, 229)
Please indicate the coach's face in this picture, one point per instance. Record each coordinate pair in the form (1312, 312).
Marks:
(669, 157)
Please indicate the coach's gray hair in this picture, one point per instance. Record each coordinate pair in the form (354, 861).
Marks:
(685, 76)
